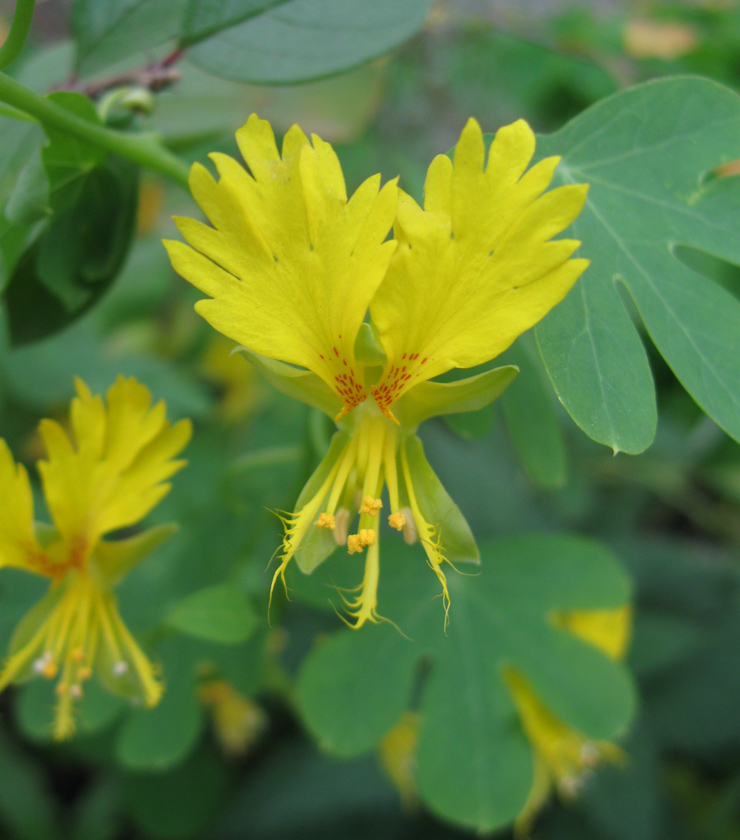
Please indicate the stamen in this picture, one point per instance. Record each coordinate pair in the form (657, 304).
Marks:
(75, 691)
(61, 689)
(362, 539)
(120, 668)
(367, 536)
(84, 673)
(341, 526)
(326, 520)
(371, 506)
(397, 521)
(410, 531)
(50, 669)
(78, 654)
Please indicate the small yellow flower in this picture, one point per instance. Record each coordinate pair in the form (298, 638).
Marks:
(564, 757)
(109, 475)
(238, 721)
(298, 273)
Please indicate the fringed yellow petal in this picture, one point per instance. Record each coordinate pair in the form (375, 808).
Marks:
(18, 544)
(290, 265)
(111, 475)
(475, 268)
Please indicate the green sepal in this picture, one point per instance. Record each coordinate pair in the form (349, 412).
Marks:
(430, 399)
(115, 559)
(368, 349)
(29, 626)
(318, 543)
(456, 539)
(294, 382)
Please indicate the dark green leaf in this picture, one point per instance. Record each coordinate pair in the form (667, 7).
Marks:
(646, 154)
(531, 420)
(207, 17)
(26, 805)
(474, 763)
(178, 804)
(76, 257)
(159, 738)
(109, 30)
(308, 39)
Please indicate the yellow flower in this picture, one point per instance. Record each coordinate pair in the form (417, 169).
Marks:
(108, 476)
(293, 268)
(564, 757)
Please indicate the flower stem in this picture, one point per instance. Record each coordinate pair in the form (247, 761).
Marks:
(19, 29)
(145, 149)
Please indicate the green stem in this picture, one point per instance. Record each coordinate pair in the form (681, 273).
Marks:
(19, 29)
(144, 149)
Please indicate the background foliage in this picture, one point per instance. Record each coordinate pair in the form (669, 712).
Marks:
(274, 731)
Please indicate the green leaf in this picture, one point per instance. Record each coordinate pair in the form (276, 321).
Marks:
(67, 160)
(204, 17)
(108, 30)
(159, 738)
(29, 200)
(308, 39)
(531, 420)
(474, 762)
(77, 255)
(178, 804)
(26, 805)
(646, 154)
(219, 613)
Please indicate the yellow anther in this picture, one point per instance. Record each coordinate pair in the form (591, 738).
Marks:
(49, 671)
(354, 546)
(326, 520)
(371, 506)
(61, 689)
(84, 673)
(367, 536)
(397, 521)
(78, 654)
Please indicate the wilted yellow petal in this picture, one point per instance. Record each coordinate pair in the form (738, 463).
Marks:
(18, 544)
(290, 264)
(111, 474)
(475, 268)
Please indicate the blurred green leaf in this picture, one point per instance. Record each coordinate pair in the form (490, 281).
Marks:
(308, 39)
(531, 421)
(204, 17)
(27, 808)
(219, 613)
(474, 762)
(646, 154)
(178, 804)
(159, 738)
(77, 256)
(109, 30)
